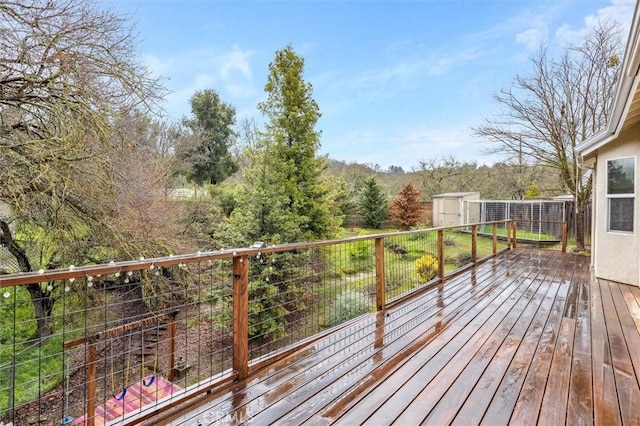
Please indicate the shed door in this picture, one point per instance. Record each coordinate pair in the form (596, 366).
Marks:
(450, 211)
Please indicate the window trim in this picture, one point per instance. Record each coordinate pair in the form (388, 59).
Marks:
(632, 195)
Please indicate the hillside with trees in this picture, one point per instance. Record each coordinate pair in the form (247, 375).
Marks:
(502, 180)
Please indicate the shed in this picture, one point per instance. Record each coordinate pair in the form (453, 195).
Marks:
(612, 155)
(448, 208)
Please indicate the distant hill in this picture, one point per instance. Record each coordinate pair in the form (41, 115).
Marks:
(353, 173)
(499, 181)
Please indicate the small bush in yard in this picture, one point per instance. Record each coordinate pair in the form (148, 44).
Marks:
(426, 267)
(360, 251)
(463, 259)
(397, 248)
(348, 305)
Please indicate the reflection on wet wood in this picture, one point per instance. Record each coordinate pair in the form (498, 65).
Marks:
(554, 406)
(526, 338)
(580, 405)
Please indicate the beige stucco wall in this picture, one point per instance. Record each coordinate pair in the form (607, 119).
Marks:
(616, 255)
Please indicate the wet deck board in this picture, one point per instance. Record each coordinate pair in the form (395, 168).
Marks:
(528, 337)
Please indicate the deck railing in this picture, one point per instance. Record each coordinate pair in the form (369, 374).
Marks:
(124, 340)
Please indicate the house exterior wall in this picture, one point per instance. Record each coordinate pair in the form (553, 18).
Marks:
(616, 255)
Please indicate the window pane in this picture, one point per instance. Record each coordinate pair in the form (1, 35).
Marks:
(620, 176)
(621, 214)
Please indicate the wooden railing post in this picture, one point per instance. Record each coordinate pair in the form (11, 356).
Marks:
(474, 243)
(495, 238)
(441, 253)
(92, 363)
(380, 284)
(241, 316)
(565, 232)
(172, 346)
(515, 237)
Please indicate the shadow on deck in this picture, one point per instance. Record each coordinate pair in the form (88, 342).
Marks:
(527, 337)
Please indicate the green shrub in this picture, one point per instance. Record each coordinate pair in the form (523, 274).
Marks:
(397, 248)
(359, 255)
(359, 251)
(449, 240)
(266, 314)
(463, 259)
(426, 267)
(348, 305)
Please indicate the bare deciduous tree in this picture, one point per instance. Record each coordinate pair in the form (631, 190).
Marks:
(558, 105)
(68, 71)
(447, 174)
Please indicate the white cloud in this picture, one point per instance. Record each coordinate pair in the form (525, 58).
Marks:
(451, 59)
(338, 91)
(405, 147)
(227, 71)
(159, 66)
(619, 11)
(534, 26)
(236, 60)
(529, 27)
(533, 37)
(429, 139)
(403, 70)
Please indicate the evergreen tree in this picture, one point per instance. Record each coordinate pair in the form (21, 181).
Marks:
(373, 203)
(208, 154)
(406, 207)
(285, 198)
(289, 170)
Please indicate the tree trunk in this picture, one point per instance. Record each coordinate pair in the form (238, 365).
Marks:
(580, 207)
(43, 307)
(42, 300)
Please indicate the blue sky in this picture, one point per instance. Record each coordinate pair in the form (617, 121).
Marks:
(396, 81)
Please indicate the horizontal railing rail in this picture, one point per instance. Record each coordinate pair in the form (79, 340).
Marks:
(154, 334)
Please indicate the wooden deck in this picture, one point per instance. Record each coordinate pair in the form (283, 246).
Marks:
(525, 338)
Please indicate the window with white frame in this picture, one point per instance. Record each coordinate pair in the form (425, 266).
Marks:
(621, 194)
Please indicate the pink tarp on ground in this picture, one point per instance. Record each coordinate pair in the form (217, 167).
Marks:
(138, 397)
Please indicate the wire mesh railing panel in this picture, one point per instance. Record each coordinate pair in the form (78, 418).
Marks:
(457, 249)
(348, 280)
(26, 366)
(537, 220)
(120, 340)
(294, 295)
(410, 262)
(202, 323)
(8, 263)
